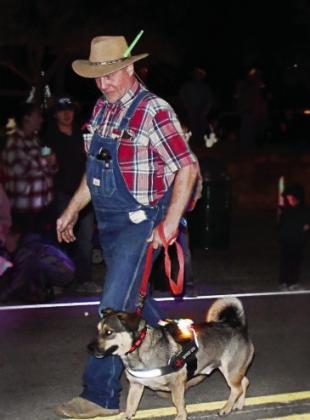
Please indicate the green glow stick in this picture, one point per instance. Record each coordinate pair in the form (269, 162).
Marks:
(281, 184)
(127, 52)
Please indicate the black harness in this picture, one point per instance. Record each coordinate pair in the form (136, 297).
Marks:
(187, 356)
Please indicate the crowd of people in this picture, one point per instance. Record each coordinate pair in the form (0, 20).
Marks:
(42, 163)
(134, 185)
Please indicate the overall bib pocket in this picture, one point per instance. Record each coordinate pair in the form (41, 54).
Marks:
(100, 177)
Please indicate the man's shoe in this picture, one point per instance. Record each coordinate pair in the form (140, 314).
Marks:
(80, 408)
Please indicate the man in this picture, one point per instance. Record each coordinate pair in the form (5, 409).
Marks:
(140, 173)
(64, 137)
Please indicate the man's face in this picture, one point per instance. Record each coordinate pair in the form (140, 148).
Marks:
(65, 117)
(34, 120)
(116, 84)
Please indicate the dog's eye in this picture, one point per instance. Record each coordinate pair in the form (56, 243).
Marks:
(108, 332)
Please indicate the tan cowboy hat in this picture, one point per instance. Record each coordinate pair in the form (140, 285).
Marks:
(106, 56)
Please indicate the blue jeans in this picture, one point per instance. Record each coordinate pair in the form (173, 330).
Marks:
(125, 242)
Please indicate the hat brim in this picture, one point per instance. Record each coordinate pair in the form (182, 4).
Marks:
(86, 68)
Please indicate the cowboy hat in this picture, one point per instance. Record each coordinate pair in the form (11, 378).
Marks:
(106, 56)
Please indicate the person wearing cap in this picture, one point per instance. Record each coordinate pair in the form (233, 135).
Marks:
(140, 173)
(64, 137)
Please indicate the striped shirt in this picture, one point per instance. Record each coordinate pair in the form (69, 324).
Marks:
(152, 148)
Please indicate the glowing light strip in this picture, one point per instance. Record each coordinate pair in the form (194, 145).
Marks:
(163, 299)
(151, 373)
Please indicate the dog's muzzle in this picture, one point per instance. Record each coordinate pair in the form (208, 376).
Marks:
(94, 349)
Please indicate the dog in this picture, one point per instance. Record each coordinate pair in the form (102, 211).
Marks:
(169, 359)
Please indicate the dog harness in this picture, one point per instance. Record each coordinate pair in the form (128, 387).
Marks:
(185, 356)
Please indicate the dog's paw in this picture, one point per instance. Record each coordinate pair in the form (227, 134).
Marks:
(224, 412)
(239, 405)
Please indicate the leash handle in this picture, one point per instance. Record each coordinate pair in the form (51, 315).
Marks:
(176, 286)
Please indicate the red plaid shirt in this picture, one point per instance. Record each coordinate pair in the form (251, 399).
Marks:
(151, 149)
(28, 179)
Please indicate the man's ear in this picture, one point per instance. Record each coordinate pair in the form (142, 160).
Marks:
(130, 70)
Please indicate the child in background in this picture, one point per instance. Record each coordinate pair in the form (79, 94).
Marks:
(294, 223)
(37, 268)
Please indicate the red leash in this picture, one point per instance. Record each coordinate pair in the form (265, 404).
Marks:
(176, 286)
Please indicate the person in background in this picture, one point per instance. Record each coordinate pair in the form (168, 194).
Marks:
(5, 225)
(294, 224)
(197, 100)
(252, 107)
(5, 215)
(37, 268)
(64, 137)
(28, 176)
(140, 173)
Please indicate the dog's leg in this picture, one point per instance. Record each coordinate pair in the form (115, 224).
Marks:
(241, 400)
(234, 381)
(245, 382)
(177, 395)
(134, 396)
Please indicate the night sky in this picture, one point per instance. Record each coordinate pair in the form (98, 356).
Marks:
(225, 37)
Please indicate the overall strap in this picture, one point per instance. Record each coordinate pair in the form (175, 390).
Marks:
(97, 120)
(132, 108)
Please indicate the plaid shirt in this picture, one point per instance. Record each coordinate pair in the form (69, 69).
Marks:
(151, 149)
(28, 179)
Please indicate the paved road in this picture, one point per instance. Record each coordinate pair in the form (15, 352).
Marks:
(42, 355)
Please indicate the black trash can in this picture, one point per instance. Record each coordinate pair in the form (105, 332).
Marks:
(209, 222)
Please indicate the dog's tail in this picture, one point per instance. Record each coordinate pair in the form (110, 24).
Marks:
(227, 310)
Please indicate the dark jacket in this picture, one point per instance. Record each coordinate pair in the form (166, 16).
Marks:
(292, 222)
(71, 157)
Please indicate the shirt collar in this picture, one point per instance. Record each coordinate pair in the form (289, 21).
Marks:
(129, 95)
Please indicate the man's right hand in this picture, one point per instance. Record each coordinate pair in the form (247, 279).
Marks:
(65, 225)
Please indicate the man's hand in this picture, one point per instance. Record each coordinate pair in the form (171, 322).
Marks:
(65, 225)
(69, 217)
(170, 232)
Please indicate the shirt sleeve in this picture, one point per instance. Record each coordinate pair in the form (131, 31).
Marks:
(167, 138)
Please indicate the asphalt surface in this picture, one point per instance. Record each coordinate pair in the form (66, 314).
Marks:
(43, 350)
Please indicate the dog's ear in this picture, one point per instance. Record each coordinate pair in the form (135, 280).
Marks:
(106, 312)
(130, 320)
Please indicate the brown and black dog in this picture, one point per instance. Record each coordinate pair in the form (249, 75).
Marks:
(221, 342)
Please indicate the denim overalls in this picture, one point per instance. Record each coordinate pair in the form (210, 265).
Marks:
(124, 226)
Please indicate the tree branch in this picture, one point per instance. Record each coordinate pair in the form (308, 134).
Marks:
(22, 75)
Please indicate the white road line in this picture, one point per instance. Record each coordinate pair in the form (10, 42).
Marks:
(162, 299)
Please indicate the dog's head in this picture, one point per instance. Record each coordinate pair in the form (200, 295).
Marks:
(116, 333)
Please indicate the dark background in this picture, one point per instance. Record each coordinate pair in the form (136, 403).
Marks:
(225, 37)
